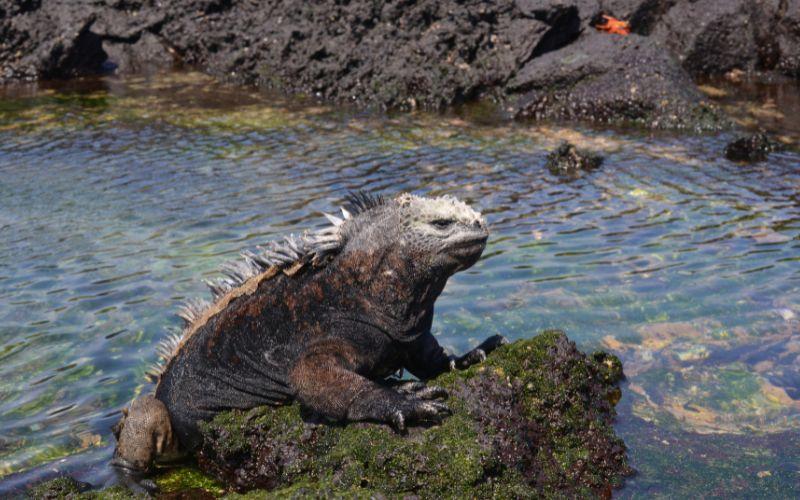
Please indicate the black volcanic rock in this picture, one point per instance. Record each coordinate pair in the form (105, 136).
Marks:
(569, 161)
(609, 79)
(751, 148)
(538, 58)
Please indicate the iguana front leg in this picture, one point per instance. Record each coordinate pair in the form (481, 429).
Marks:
(326, 380)
(426, 359)
(477, 355)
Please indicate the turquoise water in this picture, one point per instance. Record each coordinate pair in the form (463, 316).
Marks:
(117, 197)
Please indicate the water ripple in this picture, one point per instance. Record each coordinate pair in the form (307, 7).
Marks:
(110, 217)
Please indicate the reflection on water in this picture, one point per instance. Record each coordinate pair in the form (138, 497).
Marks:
(118, 197)
(756, 104)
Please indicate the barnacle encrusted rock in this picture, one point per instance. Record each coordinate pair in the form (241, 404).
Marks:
(534, 419)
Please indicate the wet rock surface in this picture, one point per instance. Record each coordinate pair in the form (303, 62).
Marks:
(609, 78)
(569, 161)
(712, 38)
(47, 43)
(536, 58)
(751, 148)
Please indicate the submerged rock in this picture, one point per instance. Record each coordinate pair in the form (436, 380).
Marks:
(703, 378)
(568, 160)
(534, 419)
(752, 148)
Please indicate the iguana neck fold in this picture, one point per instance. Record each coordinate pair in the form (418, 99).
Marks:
(396, 292)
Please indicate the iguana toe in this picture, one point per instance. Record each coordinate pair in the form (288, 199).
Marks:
(434, 410)
(432, 392)
(416, 409)
(410, 387)
(419, 410)
(398, 421)
(492, 343)
(473, 357)
(478, 355)
(422, 391)
(136, 482)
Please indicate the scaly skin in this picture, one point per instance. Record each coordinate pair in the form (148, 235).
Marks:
(326, 335)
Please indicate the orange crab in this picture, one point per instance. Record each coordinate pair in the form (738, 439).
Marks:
(614, 25)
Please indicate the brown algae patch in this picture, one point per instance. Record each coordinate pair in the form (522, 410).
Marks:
(190, 100)
(729, 399)
(703, 378)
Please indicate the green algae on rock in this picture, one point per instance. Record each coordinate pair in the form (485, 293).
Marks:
(534, 419)
(65, 487)
(188, 479)
(60, 487)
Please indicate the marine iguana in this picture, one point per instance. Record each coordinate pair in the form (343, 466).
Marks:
(324, 319)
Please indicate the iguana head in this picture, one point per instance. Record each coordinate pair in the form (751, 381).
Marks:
(441, 235)
(144, 434)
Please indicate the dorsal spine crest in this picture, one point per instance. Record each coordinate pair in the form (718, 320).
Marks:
(288, 255)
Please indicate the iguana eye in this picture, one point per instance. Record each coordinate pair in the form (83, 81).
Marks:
(442, 223)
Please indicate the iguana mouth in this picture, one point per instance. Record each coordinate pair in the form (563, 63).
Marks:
(467, 251)
(470, 243)
(126, 466)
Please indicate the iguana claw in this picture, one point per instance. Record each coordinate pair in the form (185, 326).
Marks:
(136, 482)
(422, 391)
(418, 410)
(478, 355)
(419, 403)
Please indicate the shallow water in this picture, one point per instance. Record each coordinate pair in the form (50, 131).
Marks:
(117, 197)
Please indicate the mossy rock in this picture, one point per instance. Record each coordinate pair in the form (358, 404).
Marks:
(67, 488)
(60, 487)
(534, 419)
